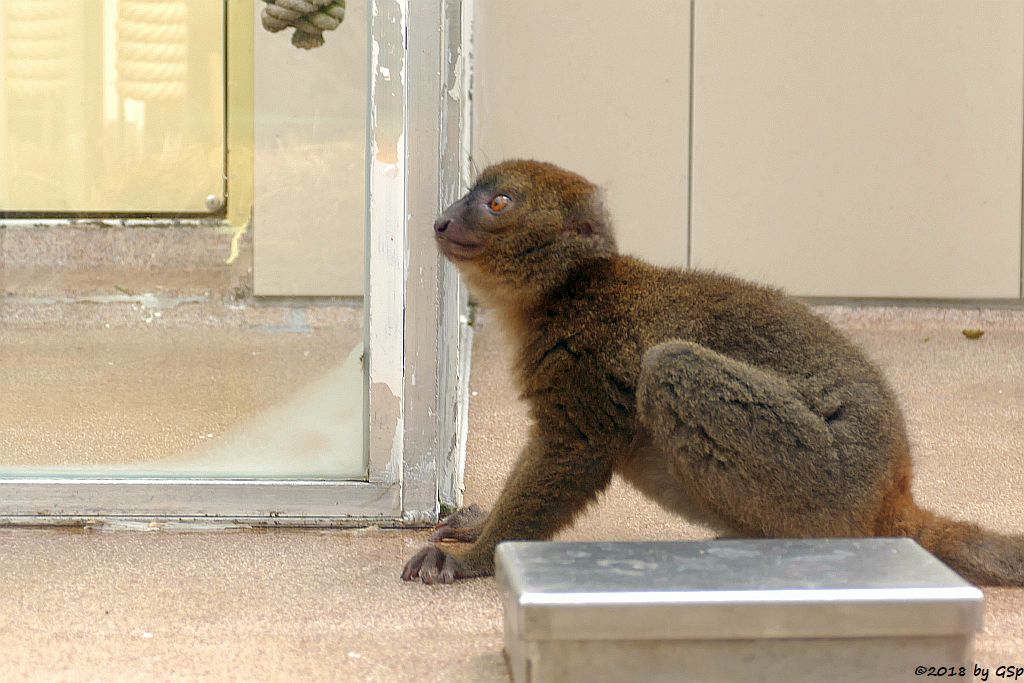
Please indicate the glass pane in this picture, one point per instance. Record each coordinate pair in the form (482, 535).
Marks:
(105, 100)
(135, 340)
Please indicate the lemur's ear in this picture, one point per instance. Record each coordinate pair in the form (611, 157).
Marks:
(589, 217)
(581, 226)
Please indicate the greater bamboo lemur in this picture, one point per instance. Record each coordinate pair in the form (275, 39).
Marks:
(724, 401)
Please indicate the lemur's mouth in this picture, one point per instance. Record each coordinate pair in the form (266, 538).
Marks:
(458, 250)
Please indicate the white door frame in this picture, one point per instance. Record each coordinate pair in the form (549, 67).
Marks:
(415, 163)
(414, 378)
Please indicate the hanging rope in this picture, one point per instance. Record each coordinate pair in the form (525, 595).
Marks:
(36, 46)
(309, 18)
(152, 49)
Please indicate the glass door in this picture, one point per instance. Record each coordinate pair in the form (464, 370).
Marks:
(204, 254)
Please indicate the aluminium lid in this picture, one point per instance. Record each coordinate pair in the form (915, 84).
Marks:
(733, 589)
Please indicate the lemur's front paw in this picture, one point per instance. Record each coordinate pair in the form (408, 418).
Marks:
(463, 525)
(432, 565)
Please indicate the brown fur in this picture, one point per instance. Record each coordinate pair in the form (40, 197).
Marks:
(724, 401)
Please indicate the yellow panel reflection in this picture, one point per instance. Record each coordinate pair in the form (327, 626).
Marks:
(112, 106)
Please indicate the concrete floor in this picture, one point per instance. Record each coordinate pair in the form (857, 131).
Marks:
(312, 605)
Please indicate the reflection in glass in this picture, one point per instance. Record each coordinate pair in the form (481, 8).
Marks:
(137, 349)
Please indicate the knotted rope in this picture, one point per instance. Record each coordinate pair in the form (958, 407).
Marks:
(309, 18)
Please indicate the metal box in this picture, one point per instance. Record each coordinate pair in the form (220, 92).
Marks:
(791, 611)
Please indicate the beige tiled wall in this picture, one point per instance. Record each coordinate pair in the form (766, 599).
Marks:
(599, 87)
(860, 147)
(847, 148)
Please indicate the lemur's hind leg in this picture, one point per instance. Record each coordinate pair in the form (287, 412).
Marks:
(744, 444)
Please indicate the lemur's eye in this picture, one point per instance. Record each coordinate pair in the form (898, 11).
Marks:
(499, 203)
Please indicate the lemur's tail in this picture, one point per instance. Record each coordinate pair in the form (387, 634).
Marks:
(979, 555)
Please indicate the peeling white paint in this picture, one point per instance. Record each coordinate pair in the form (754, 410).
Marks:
(386, 252)
(466, 54)
(419, 517)
(455, 87)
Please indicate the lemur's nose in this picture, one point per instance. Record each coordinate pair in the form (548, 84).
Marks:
(441, 224)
